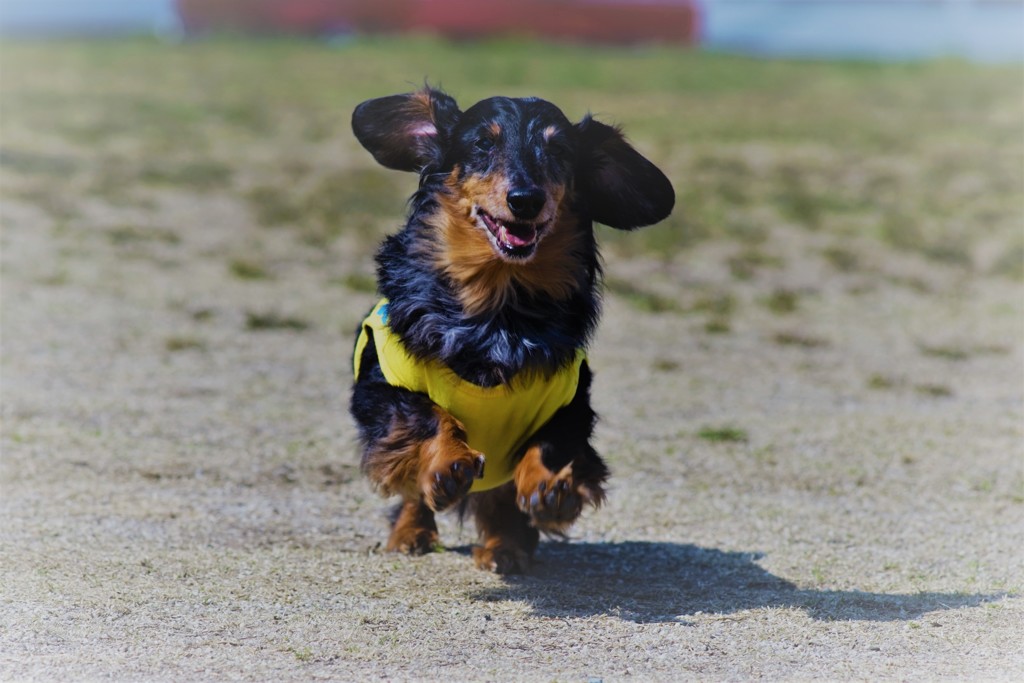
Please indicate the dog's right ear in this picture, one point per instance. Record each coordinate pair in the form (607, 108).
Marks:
(406, 132)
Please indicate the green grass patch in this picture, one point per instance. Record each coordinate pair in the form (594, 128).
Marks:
(135, 234)
(934, 390)
(183, 343)
(358, 282)
(929, 236)
(352, 201)
(946, 352)
(717, 326)
(57, 278)
(197, 176)
(726, 434)
(301, 654)
(719, 303)
(744, 265)
(842, 259)
(272, 320)
(245, 269)
(882, 382)
(793, 338)
(640, 298)
(665, 365)
(273, 206)
(782, 301)
(796, 201)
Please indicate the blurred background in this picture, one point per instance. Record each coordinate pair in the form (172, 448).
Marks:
(990, 30)
(895, 123)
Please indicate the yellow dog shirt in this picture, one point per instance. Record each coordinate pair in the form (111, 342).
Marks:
(498, 420)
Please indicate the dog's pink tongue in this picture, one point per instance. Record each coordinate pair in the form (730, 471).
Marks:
(519, 234)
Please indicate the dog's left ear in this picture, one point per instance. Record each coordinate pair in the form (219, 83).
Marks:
(406, 132)
(623, 189)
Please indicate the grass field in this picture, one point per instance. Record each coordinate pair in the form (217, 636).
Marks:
(922, 158)
(811, 377)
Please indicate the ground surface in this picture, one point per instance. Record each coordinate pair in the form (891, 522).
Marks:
(811, 378)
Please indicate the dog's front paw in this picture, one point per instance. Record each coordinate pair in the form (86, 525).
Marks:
(553, 500)
(448, 465)
(450, 481)
(445, 480)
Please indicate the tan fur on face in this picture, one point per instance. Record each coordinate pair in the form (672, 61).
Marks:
(484, 280)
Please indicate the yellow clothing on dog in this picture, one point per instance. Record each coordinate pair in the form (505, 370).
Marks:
(498, 420)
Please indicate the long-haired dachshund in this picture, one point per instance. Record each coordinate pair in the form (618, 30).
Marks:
(472, 387)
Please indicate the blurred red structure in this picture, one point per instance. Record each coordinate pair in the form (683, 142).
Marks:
(610, 21)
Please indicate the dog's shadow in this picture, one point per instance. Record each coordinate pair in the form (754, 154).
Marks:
(659, 582)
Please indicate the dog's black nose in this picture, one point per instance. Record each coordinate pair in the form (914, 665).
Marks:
(527, 202)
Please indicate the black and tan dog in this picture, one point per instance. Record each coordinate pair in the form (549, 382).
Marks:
(472, 385)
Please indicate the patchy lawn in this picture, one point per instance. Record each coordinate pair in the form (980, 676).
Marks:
(811, 377)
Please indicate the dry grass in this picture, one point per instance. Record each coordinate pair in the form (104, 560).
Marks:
(809, 378)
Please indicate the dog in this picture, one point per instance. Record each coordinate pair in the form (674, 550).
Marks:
(472, 387)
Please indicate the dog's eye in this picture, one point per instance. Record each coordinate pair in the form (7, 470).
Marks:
(554, 142)
(484, 144)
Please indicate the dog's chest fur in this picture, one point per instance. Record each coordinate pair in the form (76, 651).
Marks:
(531, 330)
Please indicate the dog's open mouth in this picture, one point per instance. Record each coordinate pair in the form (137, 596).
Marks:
(515, 240)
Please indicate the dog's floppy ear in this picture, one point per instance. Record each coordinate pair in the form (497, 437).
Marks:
(406, 132)
(623, 189)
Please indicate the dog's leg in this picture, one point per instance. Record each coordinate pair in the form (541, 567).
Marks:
(413, 530)
(507, 539)
(431, 474)
(414, 449)
(424, 457)
(559, 471)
